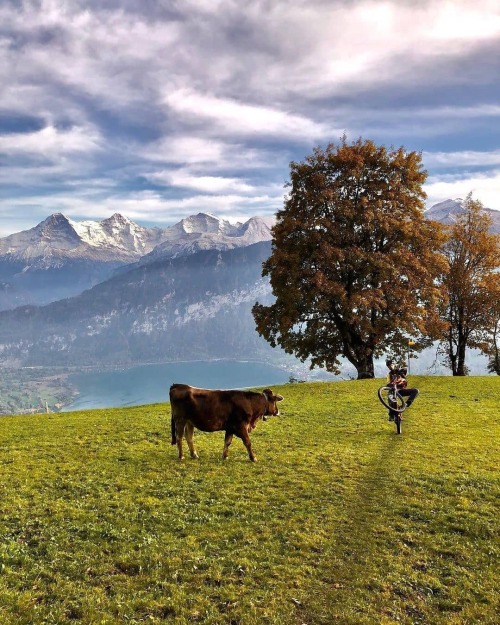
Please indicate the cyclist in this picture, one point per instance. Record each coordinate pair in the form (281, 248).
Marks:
(397, 377)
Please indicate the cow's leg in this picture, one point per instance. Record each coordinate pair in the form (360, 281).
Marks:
(243, 434)
(189, 431)
(180, 425)
(227, 441)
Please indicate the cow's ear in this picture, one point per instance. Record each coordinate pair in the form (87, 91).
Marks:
(278, 398)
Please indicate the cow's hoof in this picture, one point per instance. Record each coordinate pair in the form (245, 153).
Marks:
(254, 459)
(194, 457)
(181, 458)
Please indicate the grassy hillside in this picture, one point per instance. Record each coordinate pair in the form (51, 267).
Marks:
(340, 521)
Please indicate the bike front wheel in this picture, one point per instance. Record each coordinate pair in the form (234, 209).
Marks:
(391, 399)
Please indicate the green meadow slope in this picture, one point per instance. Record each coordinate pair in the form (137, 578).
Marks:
(339, 521)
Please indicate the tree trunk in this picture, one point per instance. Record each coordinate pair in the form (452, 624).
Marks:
(365, 367)
(461, 368)
(461, 347)
(358, 353)
(453, 363)
(495, 364)
(452, 354)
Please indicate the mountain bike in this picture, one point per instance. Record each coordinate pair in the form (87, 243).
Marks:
(392, 400)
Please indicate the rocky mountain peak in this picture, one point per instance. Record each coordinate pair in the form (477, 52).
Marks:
(118, 220)
(205, 223)
(257, 228)
(446, 212)
(55, 223)
(56, 232)
(55, 219)
(118, 224)
(445, 209)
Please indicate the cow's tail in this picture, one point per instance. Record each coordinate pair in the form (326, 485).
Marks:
(172, 420)
(174, 435)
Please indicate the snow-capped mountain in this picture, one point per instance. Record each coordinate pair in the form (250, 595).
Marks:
(206, 232)
(447, 212)
(57, 238)
(203, 223)
(60, 257)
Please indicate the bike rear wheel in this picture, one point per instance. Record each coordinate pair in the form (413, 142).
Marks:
(398, 420)
(391, 399)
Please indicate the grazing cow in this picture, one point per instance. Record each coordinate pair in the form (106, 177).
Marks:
(236, 412)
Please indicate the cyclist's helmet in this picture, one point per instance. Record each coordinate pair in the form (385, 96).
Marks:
(390, 363)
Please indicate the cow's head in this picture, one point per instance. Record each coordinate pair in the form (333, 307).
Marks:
(272, 403)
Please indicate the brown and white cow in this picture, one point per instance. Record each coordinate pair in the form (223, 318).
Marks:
(236, 412)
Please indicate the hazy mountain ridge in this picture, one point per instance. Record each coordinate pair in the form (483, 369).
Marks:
(185, 308)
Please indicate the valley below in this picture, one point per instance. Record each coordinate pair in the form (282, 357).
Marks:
(31, 390)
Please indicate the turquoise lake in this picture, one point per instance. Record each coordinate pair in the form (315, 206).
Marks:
(149, 384)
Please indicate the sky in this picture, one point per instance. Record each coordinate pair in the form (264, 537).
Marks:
(160, 109)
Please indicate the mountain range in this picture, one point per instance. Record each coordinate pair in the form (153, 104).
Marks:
(60, 258)
(178, 293)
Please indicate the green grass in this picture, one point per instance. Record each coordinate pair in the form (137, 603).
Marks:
(339, 521)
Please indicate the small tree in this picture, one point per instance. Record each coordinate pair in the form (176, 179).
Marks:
(354, 261)
(472, 285)
(493, 349)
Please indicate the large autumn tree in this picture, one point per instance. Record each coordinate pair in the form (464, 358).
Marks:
(354, 261)
(472, 283)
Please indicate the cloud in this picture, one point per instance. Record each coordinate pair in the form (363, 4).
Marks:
(155, 208)
(464, 21)
(416, 121)
(320, 49)
(185, 149)
(458, 173)
(239, 118)
(148, 206)
(208, 184)
(50, 141)
(467, 158)
(211, 154)
(485, 187)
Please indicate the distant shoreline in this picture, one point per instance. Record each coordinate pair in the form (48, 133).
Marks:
(33, 389)
(120, 367)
